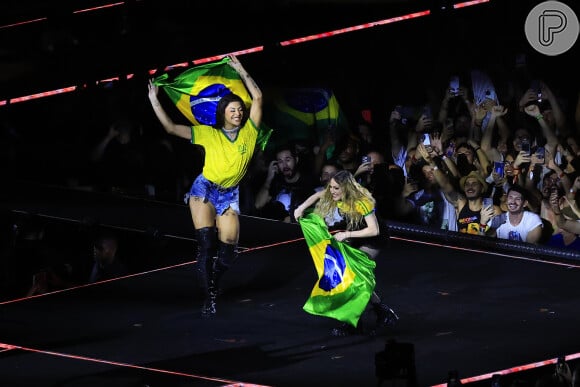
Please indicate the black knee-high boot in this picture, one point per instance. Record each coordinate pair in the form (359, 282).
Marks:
(226, 255)
(206, 248)
(385, 315)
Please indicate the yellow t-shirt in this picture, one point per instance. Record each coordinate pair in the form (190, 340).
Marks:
(364, 207)
(226, 161)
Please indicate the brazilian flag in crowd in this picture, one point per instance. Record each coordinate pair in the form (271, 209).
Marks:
(197, 91)
(303, 113)
(346, 276)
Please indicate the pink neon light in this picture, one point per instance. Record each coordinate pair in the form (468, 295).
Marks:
(99, 7)
(96, 283)
(469, 3)
(128, 76)
(261, 48)
(171, 67)
(43, 94)
(218, 57)
(22, 23)
(512, 370)
(568, 265)
(354, 28)
(77, 357)
(108, 80)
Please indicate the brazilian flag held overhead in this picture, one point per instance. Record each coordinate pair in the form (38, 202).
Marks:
(197, 91)
(346, 276)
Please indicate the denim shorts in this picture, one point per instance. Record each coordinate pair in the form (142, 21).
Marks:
(221, 198)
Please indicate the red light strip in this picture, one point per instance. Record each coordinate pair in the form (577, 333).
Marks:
(171, 67)
(42, 95)
(108, 80)
(469, 3)
(95, 283)
(101, 361)
(568, 265)
(512, 370)
(261, 48)
(23, 23)
(99, 7)
(218, 57)
(354, 28)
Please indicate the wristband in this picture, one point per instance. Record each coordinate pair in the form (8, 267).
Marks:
(539, 117)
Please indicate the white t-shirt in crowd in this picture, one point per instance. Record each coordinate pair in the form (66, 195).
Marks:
(520, 232)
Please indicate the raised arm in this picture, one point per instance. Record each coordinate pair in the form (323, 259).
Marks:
(497, 112)
(562, 222)
(547, 132)
(253, 89)
(562, 127)
(170, 127)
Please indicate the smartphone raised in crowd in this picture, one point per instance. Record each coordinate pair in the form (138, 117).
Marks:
(541, 153)
(537, 87)
(487, 202)
(526, 146)
(499, 168)
(454, 85)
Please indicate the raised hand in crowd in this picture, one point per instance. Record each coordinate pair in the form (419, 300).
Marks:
(530, 97)
(424, 123)
(328, 141)
(548, 133)
(497, 112)
(436, 144)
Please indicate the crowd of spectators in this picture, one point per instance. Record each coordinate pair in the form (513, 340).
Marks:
(497, 155)
(499, 158)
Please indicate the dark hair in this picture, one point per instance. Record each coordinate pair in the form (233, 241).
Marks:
(220, 111)
(520, 189)
(287, 146)
(346, 140)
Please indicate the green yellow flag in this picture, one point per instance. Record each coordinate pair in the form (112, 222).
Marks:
(304, 113)
(197, 91)
(346, 276)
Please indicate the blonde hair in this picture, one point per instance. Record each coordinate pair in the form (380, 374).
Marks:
(352, 192)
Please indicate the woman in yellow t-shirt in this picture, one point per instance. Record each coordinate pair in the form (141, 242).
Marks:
(214, 195)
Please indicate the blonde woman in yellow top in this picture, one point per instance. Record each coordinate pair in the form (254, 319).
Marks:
(356, 205)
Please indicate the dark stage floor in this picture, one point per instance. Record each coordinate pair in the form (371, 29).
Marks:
(471, 311)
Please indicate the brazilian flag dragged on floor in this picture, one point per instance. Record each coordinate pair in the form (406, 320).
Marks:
(346, 276)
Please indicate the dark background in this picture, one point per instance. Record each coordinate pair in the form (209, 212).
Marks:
(77, 48)
(407, 62)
